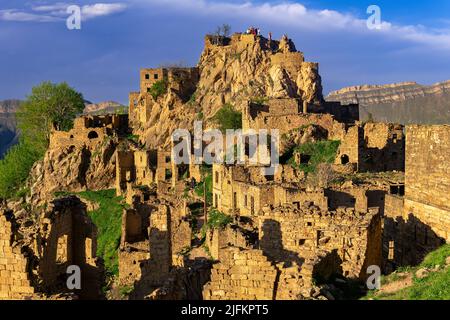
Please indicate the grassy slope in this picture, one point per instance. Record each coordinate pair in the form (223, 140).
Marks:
(108, 219)
(320, 152)
(436, 286)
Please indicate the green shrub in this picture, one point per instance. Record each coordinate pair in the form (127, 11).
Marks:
(228, 118)
(158, 89)
(218, 219)
(199, 188)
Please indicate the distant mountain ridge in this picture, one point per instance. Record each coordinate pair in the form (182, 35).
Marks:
(406, 103)
(104, 107)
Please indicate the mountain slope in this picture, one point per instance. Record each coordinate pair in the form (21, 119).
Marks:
(9, 134)
(404, 103)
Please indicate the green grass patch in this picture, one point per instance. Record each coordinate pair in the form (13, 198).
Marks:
(435, 286)
(108, 219)
(436, 257)
(320, 152)
(228, 118)
(218, 219)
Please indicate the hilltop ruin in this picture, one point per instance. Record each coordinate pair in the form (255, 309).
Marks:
(362, 194)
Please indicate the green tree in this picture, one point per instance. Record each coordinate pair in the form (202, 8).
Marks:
(49, 106)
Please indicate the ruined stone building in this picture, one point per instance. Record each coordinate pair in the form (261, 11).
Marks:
(229, 231)
(417, 214)
(33, 263)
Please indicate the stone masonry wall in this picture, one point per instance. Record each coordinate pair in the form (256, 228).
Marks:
(427, 176)
(14, 277)
(241, 275)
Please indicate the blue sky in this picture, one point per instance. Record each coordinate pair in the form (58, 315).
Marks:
(117, 38)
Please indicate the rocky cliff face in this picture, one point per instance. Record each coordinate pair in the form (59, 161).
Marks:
(9, 135)
(404, 103)
(73, 169)
(234, 71)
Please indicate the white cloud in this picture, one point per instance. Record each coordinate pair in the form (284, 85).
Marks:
(299, 16)
(101, 9)
(20, 16)
(58, 11)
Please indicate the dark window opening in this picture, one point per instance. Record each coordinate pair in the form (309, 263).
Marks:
(147, 76)
(344, 159)
(304, 158)
(92, 135)
(155, 76)
(168, 174)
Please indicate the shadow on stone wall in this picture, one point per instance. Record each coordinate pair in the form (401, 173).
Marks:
(407, 242)
(271, 244)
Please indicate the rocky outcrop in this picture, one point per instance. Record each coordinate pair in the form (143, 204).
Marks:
(73, 169)
(239, 69)
(405, 103)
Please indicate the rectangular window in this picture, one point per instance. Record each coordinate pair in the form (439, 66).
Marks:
(155, 76)
(391, 250)
(147, 76)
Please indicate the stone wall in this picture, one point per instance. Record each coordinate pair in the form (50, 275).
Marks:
(14, 266)
(68, 237)
(383, 148)
(289, 234)
(241, 275)
(427, 174)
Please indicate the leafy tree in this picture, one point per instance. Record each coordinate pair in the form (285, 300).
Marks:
(49, 106)
(15, 167)
(228, 118)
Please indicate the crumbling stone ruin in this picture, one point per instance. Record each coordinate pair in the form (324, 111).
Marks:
(346, 195)
(35, 255)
